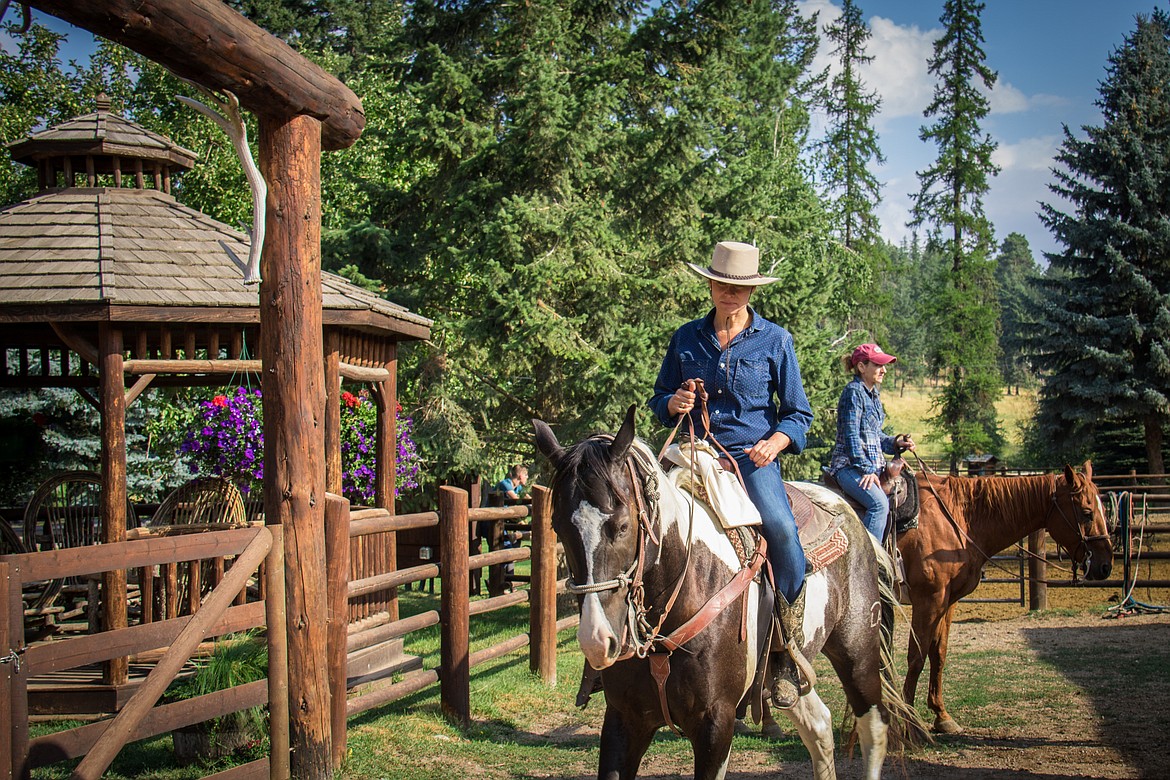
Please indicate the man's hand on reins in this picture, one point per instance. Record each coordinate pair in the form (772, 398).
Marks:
(903, 442)
(683, 400)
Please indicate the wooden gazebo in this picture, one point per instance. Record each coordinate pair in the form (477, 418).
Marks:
(109, 286)
(301, 110)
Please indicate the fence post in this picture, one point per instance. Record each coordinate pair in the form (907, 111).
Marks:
(337, 615)
(17, 684)
(7, 673)
(542, 595)
(275, 618)
(454, 607)
(1037, 570)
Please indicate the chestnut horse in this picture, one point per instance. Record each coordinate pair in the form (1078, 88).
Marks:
(962, 523)
(680, 628)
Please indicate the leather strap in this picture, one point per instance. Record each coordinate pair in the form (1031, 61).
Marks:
(715, 605)
(660, 671)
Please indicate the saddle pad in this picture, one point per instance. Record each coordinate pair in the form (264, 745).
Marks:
(819, 514)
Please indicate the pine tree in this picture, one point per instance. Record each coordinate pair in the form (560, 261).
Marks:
(1104, 314)
(570, 158)
(851, 142)
(1015, 268)
(951, 202)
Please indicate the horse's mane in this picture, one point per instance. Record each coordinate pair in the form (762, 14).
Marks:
(591, 456)
(1003, 497)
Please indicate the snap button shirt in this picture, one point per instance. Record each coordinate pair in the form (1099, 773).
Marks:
(759, 372)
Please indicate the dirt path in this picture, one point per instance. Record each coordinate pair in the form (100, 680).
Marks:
(1103, 711)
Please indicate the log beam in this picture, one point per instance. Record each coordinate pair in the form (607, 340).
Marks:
(209, 43)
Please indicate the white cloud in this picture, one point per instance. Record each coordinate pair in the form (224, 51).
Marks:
(1006, 99)
(1027, 154)
(898, 69)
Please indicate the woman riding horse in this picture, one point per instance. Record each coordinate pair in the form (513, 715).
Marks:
(743, 361)
(678, 621)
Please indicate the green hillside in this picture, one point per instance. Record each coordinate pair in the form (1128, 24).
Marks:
(907, 411)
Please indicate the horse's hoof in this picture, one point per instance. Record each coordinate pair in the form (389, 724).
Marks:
(741, 728)
(772, 731)
(947, 725)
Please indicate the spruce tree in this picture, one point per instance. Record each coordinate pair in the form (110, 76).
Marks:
(571, 158)
(950, 201)
(850, 147)
(1104, 314)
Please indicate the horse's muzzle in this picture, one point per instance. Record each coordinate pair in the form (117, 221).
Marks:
(601, 646)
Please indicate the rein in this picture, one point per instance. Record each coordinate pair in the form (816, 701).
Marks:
(964, 536)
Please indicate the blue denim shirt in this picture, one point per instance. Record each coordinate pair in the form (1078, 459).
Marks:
(860, 439)
(741, 381)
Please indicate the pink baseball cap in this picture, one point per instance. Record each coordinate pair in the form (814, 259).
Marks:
(871, 353)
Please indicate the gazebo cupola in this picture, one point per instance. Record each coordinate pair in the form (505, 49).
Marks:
(102, 149)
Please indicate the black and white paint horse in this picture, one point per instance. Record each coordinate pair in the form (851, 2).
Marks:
(645, 559)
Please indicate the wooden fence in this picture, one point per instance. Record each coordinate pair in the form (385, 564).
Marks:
(219, 613)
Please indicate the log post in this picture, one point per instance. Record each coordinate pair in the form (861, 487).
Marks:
(337, 584)
(542, 597)
(7, 672)
(294, 408)
(454, 608)
(17, 683)
(386, 466)
(332, 413)
(113, 510)
(1037, 570)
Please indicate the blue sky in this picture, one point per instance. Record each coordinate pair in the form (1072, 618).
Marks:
(1050, 56)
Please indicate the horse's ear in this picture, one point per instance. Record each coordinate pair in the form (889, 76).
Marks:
(546, 441)
(1070, 476)
(1088, 469)
(625, 437)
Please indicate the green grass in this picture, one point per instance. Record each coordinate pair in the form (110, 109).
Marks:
(908, 411)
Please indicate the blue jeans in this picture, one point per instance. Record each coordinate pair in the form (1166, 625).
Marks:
(876, 503)
(765, 487)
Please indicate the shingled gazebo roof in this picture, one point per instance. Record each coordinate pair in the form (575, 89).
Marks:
(122, 253)
(90, 247)
(101, 135)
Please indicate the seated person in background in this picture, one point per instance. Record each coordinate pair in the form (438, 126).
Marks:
(511, 541)
(512, 486)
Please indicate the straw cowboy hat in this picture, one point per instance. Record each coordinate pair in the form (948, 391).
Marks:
(735, 263)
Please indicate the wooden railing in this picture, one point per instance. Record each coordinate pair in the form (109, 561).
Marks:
(99, 743)
(219, 613)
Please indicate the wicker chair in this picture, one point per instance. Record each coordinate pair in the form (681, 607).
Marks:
(204, 501)
(10, 543)
(203, 504)
(65, 511)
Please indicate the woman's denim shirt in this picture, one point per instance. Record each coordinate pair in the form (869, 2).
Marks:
(860, 439)
(741, 381)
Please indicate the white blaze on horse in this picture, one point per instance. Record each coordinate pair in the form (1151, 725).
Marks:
(678, 620)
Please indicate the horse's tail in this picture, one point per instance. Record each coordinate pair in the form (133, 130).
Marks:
(907, 729)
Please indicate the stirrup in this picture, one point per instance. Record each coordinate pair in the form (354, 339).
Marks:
(793, 677)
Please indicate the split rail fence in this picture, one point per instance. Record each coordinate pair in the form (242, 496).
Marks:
(226, 609)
